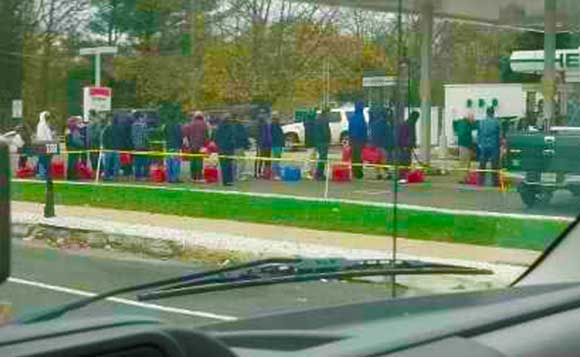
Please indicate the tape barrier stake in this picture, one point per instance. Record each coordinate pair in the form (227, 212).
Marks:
(98, 173)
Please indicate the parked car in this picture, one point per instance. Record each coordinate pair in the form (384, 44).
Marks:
(294, 133)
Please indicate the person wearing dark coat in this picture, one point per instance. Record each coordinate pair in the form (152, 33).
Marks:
(357, 133)
(406, 143)
(196, 135)
(278, 143)
(140, 140)
(309, 143)
(378, 136)
(127, 144)
(112, 141)
(74, 143)
(322, 138)
(242, 144)
(226, 141)
(263, 167)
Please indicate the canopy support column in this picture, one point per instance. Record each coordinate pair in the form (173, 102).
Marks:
(549, 80)
(426, 59)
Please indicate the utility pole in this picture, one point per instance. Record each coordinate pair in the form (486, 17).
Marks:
(98, 52)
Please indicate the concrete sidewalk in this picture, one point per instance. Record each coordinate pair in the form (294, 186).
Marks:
(289, 235)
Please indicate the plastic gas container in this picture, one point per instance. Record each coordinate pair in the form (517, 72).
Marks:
(346, 153)
(83, 171)
(57, 169)
(291, 173)
(125, 159)
(211, 174)
(340, 172)
(372, 155)
(415, 176)
(157, 173)
(473, 178)
(25, 172)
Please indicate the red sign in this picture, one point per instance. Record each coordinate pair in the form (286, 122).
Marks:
(100, 92)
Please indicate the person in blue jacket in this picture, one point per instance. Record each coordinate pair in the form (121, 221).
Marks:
(488, 142)
(357, 133)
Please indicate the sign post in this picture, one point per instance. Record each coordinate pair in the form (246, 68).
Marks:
(97, 98)
(48, 148)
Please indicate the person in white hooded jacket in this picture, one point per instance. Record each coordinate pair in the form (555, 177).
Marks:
(43, 133)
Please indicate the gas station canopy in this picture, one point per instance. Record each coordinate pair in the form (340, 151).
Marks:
(524, 14)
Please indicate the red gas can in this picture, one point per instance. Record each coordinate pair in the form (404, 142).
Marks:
(341, 172)
(211, 174)
(57, 169)
(157, 173)
(415, 176)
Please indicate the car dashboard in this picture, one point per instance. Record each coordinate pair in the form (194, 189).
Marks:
(531, 320)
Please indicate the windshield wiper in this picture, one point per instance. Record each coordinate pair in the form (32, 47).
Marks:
(264, 272)
(306, 269)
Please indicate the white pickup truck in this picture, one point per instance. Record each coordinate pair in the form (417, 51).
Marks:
(294, 133)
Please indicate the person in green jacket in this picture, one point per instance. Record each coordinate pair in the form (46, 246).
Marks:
(463, 128)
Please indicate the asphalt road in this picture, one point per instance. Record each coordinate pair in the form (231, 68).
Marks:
(44, 277)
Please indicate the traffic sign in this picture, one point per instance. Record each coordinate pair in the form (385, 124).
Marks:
(379, 81)
(17, 108)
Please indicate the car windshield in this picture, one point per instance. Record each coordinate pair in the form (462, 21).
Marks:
(150, 139)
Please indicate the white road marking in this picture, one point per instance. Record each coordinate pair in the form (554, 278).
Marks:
(459, 212)
(162, 308)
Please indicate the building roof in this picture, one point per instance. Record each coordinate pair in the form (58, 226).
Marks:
(524, 14)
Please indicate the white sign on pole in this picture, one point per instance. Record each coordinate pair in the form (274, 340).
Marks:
(98, 50)
(96, 99)
(379, 81)
(17, 108)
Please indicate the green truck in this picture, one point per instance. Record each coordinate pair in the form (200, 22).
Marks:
(549, 161)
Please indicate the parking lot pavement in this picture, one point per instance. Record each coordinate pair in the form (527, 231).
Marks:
(44, 277)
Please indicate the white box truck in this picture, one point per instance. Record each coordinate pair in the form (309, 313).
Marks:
(509, 99)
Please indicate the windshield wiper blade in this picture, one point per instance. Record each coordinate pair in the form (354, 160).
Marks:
(262, 272)
(271, 273)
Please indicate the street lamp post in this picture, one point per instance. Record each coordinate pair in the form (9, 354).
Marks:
(98, 52)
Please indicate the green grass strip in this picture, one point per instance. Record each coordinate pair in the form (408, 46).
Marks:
(331, 216)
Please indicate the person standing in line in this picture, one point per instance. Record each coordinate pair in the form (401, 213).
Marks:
(173, 141)
(278, 143)
(111, 139)
(378, 136)
(242, 143)
(463, 128)
(26, 150)
(126, 145)
(488, 142)
(44, 134)
(405, 145)
(309, 143)
(264, 165)
(195, 136)
(74, 143)
(357, 132)
(140, 140)
(322, 139)
(94, 130)
(226, 142)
